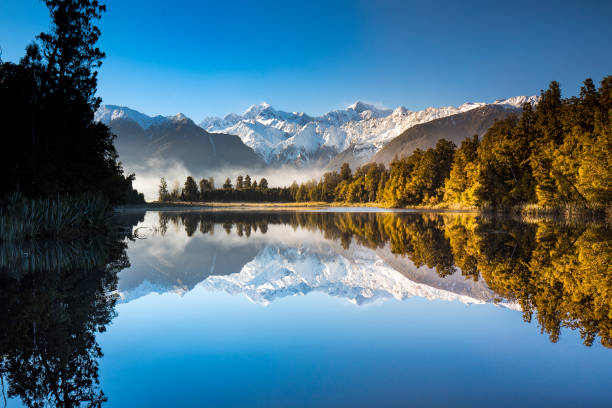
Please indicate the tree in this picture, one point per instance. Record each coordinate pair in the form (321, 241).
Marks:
(345, 172)
(190, 191)
(163, 194)
(302, 194)
(548, 130)
(70, 48)
(228, 184)
(263, 184)
(47, 103)
(176, 192)
(247, 182)
(293, 189)
(239, 183)
(459, 187)
(205, 187)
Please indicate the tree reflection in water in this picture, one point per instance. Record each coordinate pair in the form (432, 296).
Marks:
(558, 272)
(55, 297)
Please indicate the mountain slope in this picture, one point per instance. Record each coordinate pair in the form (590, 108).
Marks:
(266, 136)
(178, 139)
(455, 128)
(289, 137)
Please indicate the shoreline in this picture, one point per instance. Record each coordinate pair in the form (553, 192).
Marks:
(182, 205)
(526, 213)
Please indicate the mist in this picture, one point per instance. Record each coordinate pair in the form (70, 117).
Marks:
(148, 175)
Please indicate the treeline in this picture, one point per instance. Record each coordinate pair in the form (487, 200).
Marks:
(244, 189)
(555, 154)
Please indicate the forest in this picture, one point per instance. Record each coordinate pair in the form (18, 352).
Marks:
(555, 154)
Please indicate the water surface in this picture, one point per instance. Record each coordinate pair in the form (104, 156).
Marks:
(236, 308)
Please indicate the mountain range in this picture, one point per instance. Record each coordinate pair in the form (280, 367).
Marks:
(265, 137)
(142, 140)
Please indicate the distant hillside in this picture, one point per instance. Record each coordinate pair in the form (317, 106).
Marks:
(355, 156)
(455, 128)
(178, 138)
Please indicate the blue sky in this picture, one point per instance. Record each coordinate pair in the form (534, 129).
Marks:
(209, 58)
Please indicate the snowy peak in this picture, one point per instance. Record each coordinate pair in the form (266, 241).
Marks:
(107, 113)
(518, 101)
(290, 137)
(179, 117)
(255, 110)
(368, 111)
(281, 137)
(358, 275)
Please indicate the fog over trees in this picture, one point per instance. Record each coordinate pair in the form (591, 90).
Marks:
(556, 154)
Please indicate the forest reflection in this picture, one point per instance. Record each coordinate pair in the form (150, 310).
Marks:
(55, 297)
(559, 273)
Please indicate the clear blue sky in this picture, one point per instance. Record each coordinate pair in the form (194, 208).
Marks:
(209, 58)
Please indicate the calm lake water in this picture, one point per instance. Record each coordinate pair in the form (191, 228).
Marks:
(311, 309)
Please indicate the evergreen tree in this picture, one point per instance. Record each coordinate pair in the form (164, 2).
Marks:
(190, 190)
(163, 194)
(293, 189)
(302, 194)
(345, 172)
(459, 187)
(228, 184)
(176, 192)
(47, 103)
(263, 184)
(239, 183)
(205, 187)
(247, 182)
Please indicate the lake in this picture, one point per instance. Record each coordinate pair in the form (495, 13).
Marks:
(313, 308)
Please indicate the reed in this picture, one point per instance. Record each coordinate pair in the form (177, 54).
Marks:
(24, 218)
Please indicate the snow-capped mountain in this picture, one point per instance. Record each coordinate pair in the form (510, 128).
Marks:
(107, 113)
(281, 137)
(267, 269)
(359, 276)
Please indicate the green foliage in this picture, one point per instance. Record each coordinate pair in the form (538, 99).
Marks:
(557, 154)
(461, 184)
(228, 184)
(239, 183)
(190, 190)
(571, 146)
(345, 172)
(163, 193)
(24, 218)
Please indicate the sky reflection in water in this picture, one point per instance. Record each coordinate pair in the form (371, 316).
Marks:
(321, 309)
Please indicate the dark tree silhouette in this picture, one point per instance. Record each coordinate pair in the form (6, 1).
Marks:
(47, 105)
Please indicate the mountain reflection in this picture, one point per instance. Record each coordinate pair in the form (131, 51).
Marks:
(559, 274)
(55, 296)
